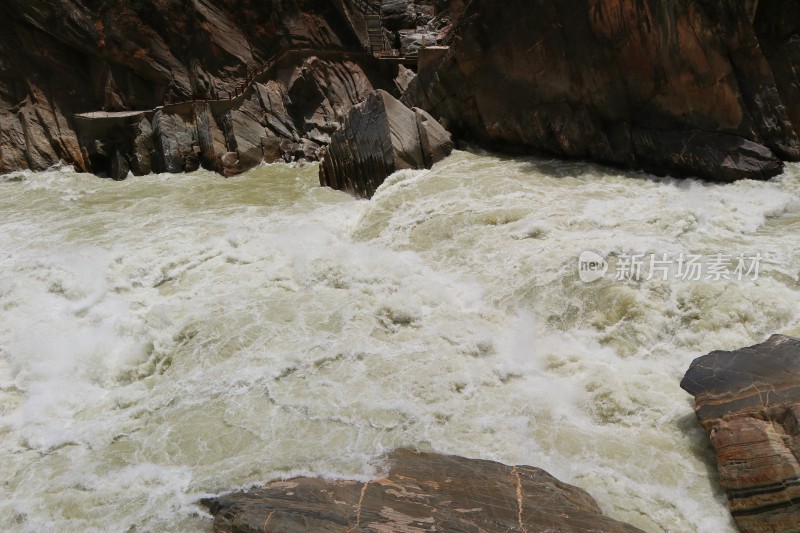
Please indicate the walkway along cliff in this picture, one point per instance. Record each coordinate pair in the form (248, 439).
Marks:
(96, 87)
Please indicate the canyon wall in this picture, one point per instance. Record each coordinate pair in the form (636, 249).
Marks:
(59, 58)
(690, 87)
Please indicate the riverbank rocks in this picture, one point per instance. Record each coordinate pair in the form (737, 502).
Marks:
(421, 492)
(379, 137)
(65, 62)
(284, 120)
(749, 402)
(682, 88)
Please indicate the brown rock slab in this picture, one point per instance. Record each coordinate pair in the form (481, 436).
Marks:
(379, 137)
(421, 492)
(749, 402)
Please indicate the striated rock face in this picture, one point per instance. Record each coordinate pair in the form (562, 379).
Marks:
(421, 492)
(59, 58)
(749, 402)
(690, 87)
(379, 137)
(286, 118)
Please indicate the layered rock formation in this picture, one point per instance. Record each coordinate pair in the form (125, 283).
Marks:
(421, 492)
(286, 118)
(379, 137)
(64, 57)
(691, 87)
(749, 402)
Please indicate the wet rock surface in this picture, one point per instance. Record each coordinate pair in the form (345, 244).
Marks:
(682, 88)
(749, 402)
(421, 492)
(378, 138)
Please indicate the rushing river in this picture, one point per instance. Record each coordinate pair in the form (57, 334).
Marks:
(175, 336)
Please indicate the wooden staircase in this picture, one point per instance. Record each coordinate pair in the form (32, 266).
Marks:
(377, 44)
(373, 17)
(378, 47)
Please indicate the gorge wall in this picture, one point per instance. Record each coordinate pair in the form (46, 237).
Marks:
(60, 58)
(691, 87)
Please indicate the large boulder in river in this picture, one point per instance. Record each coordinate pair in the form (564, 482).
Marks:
(421, 492)
(379, 137)
(688, 87)
(749, 402)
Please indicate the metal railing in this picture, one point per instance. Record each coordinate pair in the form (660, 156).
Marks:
(365, 6)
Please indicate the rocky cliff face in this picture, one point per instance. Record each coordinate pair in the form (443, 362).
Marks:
(690, 87)
(422, 492)
(59, 58)
(288, 114)
(749, 402)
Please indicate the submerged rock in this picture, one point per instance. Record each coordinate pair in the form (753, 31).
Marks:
(749, 402)
(379, 137)
(421, 492)
(679, 87)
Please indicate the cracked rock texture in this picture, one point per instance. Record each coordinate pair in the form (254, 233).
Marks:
(421, 492)
(749, 402)
(287, 118)
(688, 87)
(63, 57)
(378, 138)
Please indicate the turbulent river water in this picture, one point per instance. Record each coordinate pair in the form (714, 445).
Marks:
(175, 336)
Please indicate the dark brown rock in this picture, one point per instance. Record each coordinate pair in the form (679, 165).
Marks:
(119, 166)
(143, 148)
(378, 138)
(681, 87)
(421, 492)
(245, 133)
(175, 138)
(749, 402)
(64, 57)
(298, 112)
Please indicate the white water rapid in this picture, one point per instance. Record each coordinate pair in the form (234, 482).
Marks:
(175, 336)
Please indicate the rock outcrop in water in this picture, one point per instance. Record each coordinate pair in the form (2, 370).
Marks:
(749, 402)
(378, 138)
(288, 119)
(688, 87)
(421, 492)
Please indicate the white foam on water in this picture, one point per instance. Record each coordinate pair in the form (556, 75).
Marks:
(172, 336)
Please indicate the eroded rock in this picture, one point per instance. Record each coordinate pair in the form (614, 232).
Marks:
(421, 492)
(64, 58)
(749, 402)
(681, 88)
(378, 138)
